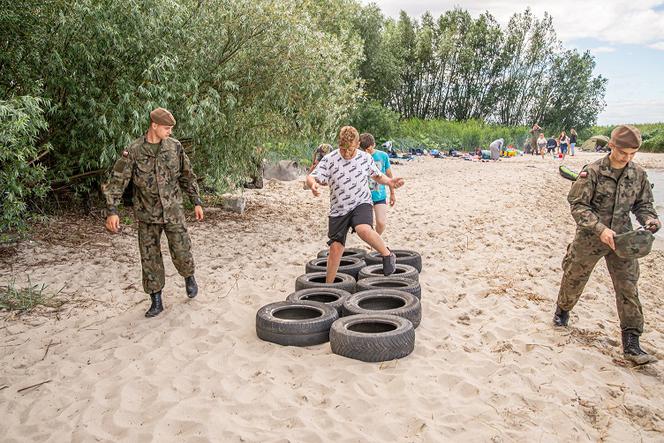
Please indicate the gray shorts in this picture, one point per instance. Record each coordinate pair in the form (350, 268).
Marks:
(338, 226)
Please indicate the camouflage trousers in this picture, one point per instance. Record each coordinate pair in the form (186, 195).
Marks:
(533, 144)
(582, 256)
(149, 243)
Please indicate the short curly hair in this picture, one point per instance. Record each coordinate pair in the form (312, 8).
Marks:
(348, 135)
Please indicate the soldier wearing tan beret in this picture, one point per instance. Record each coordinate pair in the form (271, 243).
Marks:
(160, 171)
(601, 200)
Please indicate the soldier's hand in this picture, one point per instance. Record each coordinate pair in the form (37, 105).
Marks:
(113, 223)
(314, 189)
(653, 225)
(606, 237)
(198, 211)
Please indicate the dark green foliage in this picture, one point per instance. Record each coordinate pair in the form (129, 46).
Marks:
(236, 74)
(374, 118)
(22, 178)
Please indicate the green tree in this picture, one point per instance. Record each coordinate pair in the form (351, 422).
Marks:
(22, 178)
(236, 74)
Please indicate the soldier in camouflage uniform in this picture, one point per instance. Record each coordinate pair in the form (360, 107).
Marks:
(601, 200)
(535, 131)
(160, 172)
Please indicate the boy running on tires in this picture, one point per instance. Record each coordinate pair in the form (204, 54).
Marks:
(347, 171)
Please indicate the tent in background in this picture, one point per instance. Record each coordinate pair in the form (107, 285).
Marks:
(594, 141)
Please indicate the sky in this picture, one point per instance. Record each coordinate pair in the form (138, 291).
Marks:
(626, 37)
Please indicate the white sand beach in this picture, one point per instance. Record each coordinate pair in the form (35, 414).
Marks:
(488, 365)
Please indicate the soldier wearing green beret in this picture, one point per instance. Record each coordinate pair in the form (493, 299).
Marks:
(601, 200)
(160, 171)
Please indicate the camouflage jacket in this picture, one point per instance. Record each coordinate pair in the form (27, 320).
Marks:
(598, 201)
(158, 181)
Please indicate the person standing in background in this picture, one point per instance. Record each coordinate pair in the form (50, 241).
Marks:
(572, 141)
(563, 143)
(541, 145)
(378, 191)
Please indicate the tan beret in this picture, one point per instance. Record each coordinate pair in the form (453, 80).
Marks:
(626, 136)
(161, 116)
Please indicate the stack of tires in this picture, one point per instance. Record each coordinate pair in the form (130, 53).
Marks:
(364, 315)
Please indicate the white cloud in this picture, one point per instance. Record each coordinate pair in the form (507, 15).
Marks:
(639, 111)
(610, 21)
(658, 45)
(602, 49)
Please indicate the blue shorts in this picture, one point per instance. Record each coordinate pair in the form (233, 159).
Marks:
(380, 202)
(563, 149)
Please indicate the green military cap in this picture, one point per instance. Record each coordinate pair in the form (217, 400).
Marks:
(626, 136)
(634, 244)
(162, 116)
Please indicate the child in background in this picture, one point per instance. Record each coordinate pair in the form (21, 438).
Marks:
(378, 191)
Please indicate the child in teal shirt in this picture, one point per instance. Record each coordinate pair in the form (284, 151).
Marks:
(378, 191)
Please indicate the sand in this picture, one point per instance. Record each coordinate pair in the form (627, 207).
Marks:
(487, 366)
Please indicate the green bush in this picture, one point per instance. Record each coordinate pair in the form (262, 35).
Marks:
(466, 135)
(235, 73)
(374, 118)
(22, 178)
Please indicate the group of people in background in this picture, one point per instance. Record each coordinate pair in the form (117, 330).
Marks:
(559, 146)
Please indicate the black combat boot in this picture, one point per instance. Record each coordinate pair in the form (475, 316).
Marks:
(561, 317)
(192, 287)
(156, 307)
(632, 350)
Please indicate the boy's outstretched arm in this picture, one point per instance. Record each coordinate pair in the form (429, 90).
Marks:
(395, 182)
(313, 185)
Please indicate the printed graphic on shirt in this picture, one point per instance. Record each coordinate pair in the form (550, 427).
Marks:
(348, 180)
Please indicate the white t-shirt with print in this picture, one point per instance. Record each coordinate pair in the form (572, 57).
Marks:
(348, 180)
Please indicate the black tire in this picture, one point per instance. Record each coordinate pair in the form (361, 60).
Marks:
(348, 265)
(304, 323)
(390, 282)
(384, 301)
(332, 297)
(317, 280)
(372, 338)
(348, 252)
(404, 257)
(403, 271)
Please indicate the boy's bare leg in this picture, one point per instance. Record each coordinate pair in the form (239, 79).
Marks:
(370, 236)
(381, 218)
(333, 260)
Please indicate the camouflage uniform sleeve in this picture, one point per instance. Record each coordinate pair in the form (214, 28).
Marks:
(187, 179)
(643, 206)
(579, 198)
(116, 184)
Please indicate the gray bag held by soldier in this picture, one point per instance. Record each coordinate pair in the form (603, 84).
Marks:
(634, 244)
